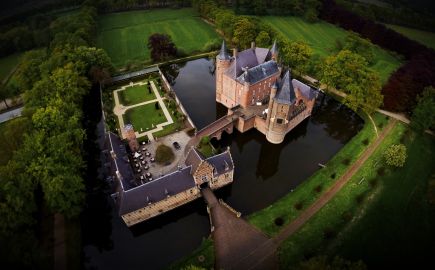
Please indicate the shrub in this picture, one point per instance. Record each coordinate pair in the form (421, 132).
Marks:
(365, 141)
(164, 154)
(373, 182)
(318, 188)
(346, 216)
(279, 221)
(395, 155)
(346, 161)
(333, 175)
(299, 205)
(360, 198)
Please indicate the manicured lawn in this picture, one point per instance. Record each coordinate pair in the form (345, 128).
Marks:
(322, 39)
(125, 35)
(136, 94)
(325, 229)
(7, 64)
(144, 117)
(290, 206)
(424, 37)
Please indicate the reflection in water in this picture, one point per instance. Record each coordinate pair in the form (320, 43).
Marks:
(264, 172)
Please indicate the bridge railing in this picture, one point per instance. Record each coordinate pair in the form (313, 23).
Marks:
(214, 123)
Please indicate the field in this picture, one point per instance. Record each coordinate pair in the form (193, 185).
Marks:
(135, 94)
(322, 39)
(124, 35)
(424, 37)
(144, 117)
(7, 64)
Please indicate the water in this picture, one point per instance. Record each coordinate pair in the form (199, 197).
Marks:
(264, 173)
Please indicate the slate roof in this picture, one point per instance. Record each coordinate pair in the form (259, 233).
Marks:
(119, 160)
(248, 59)
(222, 162)
(305, 90)
(259, 72)
(223, 54)
(156, 190)
(286, 92)
(193, 159)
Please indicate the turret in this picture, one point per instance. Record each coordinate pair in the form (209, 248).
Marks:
(274, 51)
(223, 61)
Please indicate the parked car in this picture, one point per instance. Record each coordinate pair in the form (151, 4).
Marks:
(176, 145)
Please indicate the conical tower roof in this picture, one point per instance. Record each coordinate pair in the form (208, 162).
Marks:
(274, 49)
(223, 54)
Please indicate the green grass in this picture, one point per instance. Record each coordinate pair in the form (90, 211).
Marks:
(169, 129)
(206, 250)
(408, 230)
(322, 39)
(8, 63)
(307, 192)
(136, 94)
(144, 116)
(206, 149)
(322, 229)
(424, 37)
(125, 35)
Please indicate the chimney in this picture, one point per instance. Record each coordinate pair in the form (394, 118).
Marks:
(235, 52)
(253, 45)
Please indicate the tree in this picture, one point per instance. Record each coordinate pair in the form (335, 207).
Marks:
(262, 39)
(245, 32)
(423, 116)
(361, 46)
(296, 55)
(395, 155)
(365, 95)
(161, 47)
(225, 21)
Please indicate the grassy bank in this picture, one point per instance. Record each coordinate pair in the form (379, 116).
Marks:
(201, 257)
(323, 229)
(8, 63)
(400, 222)
(124, 35)
(271, 219)
(322, 38)
(424, 37)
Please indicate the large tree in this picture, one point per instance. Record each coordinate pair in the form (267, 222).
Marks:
(245, 32)
(349, 72)
(161, 47)
(296, 55)
(423, 116)
(395, 155)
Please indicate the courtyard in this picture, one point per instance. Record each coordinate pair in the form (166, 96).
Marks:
(144, 105)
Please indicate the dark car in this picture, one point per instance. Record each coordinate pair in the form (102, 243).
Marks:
(176, 145)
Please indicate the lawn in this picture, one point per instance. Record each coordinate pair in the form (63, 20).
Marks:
(144, 117)
(325, 230)
(124, 35)
(8, 63)
(322, 39)
(136, 94)
(202, 257)
(424, 37)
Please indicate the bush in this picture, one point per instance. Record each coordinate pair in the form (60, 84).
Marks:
(395, 155)
(164, 154)
(279, 221)
(299, 205)
(318, 188)
(346, 161)
(365, 141)
(333, 175)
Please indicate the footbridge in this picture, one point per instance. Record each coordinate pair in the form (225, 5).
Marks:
(215, 129)
(235, 240)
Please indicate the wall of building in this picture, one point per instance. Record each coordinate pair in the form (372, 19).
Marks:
(222, 180)
(203, 173)
(258, 91)
(161, 207)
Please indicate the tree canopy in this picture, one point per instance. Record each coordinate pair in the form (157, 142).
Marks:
(423, 116)
(395, 155)
(161, 47)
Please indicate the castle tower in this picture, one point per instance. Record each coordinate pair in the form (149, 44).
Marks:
(279, 108)
(271, 98)
(128, 133)
(223, 61)
(274, 51)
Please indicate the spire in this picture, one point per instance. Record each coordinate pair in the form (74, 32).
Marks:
(274, 49)
(223, 55)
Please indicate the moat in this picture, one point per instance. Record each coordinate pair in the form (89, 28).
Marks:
(264, 173)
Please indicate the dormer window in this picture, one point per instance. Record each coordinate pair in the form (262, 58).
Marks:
(279, 121)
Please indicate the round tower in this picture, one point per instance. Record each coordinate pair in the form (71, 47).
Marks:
(223, 61)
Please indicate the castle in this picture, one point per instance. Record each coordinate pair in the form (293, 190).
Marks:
(251, 85)
(137, 201)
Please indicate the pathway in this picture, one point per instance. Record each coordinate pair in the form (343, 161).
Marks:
(236, 241)
(120, 110)
(6, 116)
(263, 251)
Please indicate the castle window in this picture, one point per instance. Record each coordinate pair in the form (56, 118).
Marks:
(279, 121)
